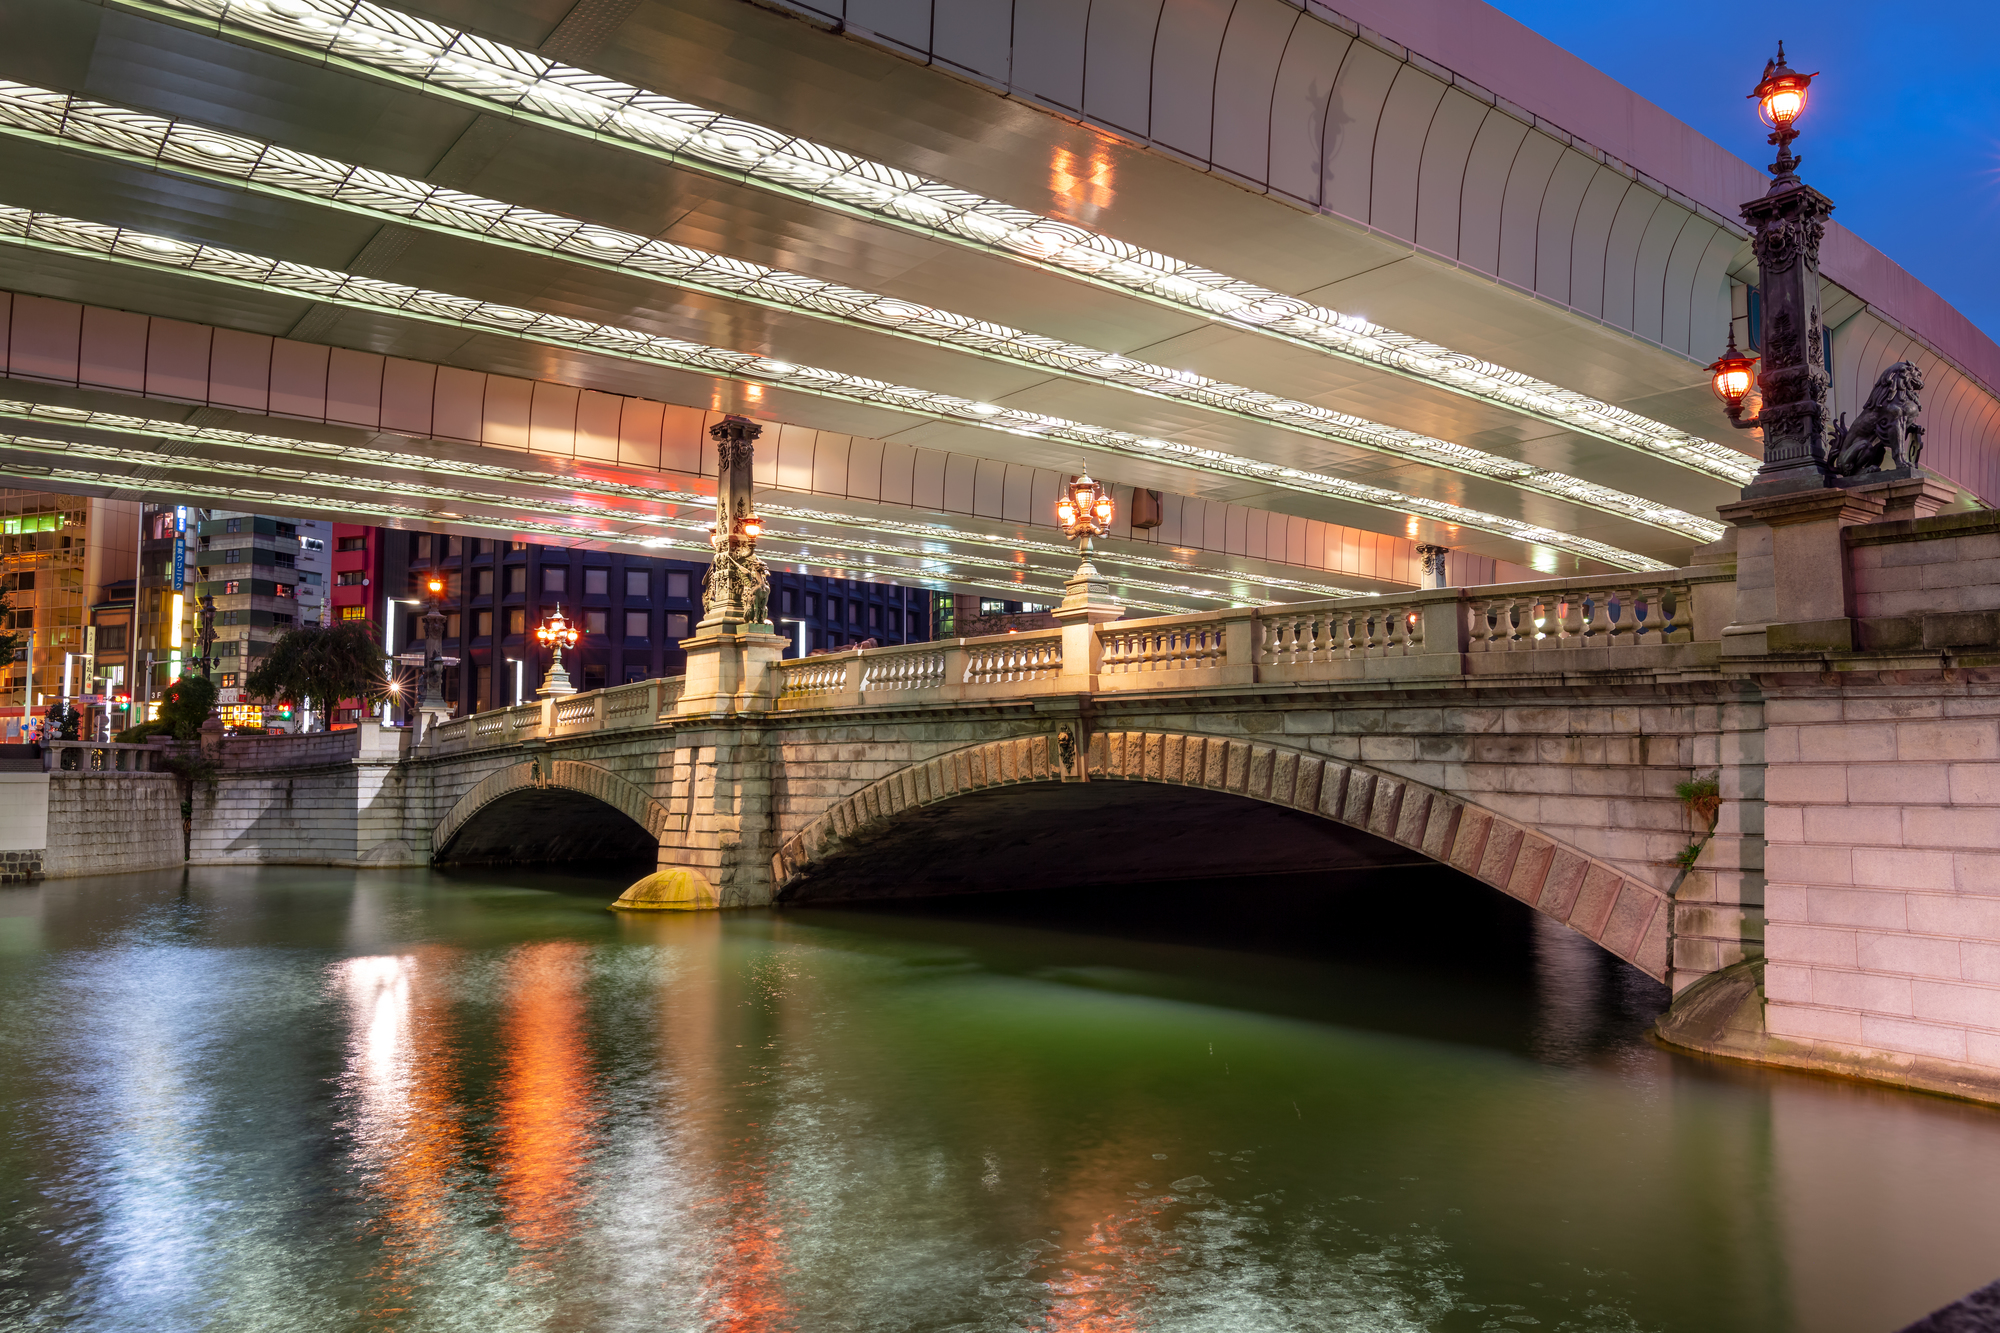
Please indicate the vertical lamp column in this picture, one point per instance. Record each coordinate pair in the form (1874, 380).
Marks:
(204, 636)
(736, 593)
(1085, 510)
(1787, 224)
(433, 695)
(556, 634)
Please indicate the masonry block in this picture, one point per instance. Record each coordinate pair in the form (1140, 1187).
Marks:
(1496, 860)
(1386, 807)
(1562, 884)
(1441, 827)
(1595, 900)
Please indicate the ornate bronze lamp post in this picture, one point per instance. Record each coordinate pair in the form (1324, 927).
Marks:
(737, 590)
(1802, 450)
(433, 695)
(204, 635)
(556, 634)
(1085, 511)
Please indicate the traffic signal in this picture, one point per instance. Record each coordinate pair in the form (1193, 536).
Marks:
(121, 702)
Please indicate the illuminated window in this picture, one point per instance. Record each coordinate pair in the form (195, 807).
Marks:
(517, 622)
(354, 613)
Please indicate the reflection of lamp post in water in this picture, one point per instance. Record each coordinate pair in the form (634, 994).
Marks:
(556, 634)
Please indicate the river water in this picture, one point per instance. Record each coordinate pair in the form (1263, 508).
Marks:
(304, 1099)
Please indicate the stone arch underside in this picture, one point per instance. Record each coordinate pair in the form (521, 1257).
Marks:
(559, 809)
(1626, 916)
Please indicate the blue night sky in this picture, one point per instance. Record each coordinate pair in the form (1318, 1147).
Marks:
(1902, 131)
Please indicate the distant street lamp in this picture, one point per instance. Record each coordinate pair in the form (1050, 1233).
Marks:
(433, 698)
(205, 635)
(1085, 509)
(556, 634)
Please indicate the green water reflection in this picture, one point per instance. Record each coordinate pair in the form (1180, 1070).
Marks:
(318, 1099)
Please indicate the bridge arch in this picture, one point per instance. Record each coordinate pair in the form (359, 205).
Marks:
(544, 809)
(1626, 916)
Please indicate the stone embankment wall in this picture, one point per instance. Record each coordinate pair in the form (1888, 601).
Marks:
(24, 825)
(108, 823)
(1883, 818)
(296, 816)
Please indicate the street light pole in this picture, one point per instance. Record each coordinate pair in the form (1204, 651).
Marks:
(1787, 224)
(557, 634)
(736, 594)
(1085, 510)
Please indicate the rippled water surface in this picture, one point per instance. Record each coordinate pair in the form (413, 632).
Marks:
(313, 1099)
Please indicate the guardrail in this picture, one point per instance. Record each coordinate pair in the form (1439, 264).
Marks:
(1614, 622)
(88, 757)
(620, 708)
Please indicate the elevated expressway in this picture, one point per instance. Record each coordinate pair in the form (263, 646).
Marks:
(479, 265)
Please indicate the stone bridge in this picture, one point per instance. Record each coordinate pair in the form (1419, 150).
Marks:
(1834, 668)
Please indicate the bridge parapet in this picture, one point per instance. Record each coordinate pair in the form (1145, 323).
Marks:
(644, 703)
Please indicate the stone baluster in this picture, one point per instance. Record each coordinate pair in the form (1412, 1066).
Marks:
(1596, 621)
(1572, 621)
(1620, 614)
(1675, 623)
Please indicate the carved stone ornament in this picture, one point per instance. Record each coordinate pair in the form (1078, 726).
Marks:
(1886, 426)
(734, 439)
(737, 586)
(1783, 340)
(1779, 244)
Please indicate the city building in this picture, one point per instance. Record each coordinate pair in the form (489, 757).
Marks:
(968, 615)
(632, 610)
(266, 574)
(58, 556)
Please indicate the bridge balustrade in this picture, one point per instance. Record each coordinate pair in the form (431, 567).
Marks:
(1442, 632)
(87, 757)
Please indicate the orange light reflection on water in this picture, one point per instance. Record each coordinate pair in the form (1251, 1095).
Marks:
(544, 1098)
(399, 1070)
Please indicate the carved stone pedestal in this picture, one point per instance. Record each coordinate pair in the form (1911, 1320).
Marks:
(1793, 591)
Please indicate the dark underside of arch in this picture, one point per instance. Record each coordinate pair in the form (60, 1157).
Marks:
(547, 824)
(1044, 835)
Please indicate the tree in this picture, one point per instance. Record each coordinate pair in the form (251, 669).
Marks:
(185, 705)
(321, 664)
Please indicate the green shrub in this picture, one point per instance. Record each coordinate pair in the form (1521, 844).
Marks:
(144, 731)
(185, 705)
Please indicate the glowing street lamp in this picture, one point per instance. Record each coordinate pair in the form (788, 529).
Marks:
(1085, 509)
(1786, 224)
(1730, 377)
(556, 634)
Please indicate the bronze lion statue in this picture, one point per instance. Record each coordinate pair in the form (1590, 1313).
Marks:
(1886, 423)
